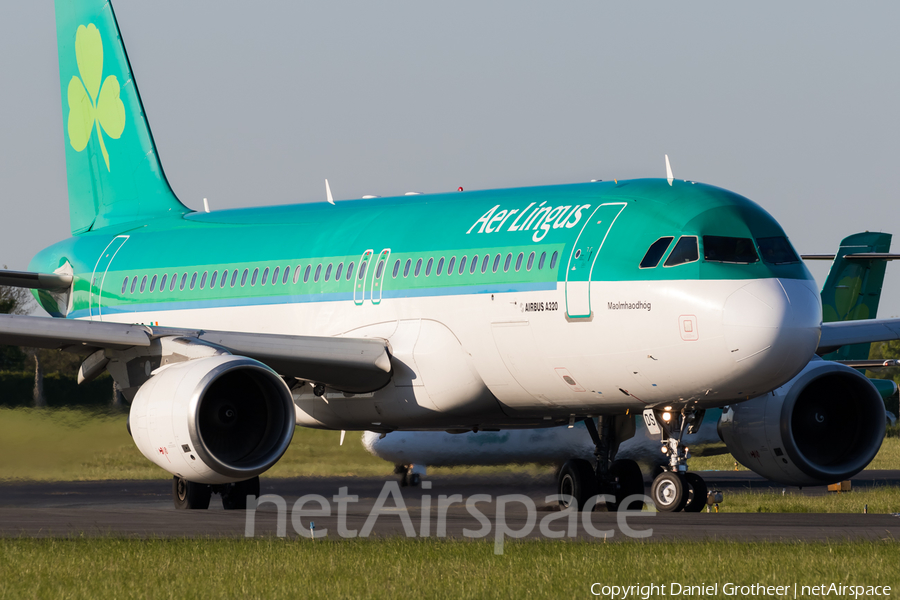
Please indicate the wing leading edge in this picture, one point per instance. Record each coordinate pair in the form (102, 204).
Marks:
(835, 335)
(355, 365)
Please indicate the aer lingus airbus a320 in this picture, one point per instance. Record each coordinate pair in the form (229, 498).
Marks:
(479, 310)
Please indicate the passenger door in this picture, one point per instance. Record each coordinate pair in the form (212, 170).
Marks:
(584, 256)
(98, 277)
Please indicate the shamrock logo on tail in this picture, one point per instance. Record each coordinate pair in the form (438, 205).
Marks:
(89, 102)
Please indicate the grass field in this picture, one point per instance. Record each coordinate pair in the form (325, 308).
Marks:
(421, 568)
(79, 445)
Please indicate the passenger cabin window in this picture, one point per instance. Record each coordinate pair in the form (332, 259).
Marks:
(253, 278)
(203, 279)
(194, 280)
(519, 260)
(296, 274)
(172, 283)
(133, 283)
(418, 267)
(379, 270)
(153, 284)
(462, 265)
(685, 251)
(717, 248)
(440, 266)
(450, 265)
(274, 275)
(318, 273)
(406, 267)
(777, 250)
(213, 278)
(428, 267)
(244, 277)
(554, 257)
(143, 284)
(306, 273)
(396, 269)
(328, 272)
(224, 279)
(124, 285)
(541, 261)
(530, 262)
(337, 274)
(656, 252)
(350, 270)
(234, 275)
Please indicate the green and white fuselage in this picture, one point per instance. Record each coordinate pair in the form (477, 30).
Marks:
(557, 317)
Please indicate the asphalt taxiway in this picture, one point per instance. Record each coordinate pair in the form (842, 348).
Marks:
(144, 509)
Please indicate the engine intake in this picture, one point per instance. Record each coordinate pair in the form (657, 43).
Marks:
(823, 426)
(213, 420)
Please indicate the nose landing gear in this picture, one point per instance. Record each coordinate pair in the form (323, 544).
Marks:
(675, 489)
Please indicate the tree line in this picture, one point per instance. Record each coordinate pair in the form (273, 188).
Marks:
(39, 377)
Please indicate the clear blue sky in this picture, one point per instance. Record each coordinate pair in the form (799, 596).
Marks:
(791, 104)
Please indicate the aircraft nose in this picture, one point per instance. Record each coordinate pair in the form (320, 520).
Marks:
(772, 326)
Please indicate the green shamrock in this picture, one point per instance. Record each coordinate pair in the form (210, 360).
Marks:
(90, 103)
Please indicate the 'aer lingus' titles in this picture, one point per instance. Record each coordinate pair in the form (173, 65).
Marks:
(539, 219)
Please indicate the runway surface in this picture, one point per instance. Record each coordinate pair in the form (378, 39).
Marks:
(144, 509)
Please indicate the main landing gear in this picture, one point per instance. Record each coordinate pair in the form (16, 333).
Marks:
(579, 481)
(675, 489)
(192, 495)
(410, 475)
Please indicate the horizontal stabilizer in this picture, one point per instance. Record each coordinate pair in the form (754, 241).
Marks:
(36, 281)
(856, 256)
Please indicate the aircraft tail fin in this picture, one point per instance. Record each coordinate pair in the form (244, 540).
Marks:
(852, 290)
(112, 167)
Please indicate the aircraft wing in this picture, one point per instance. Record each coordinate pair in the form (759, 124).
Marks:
(835, 335)
(349, 364)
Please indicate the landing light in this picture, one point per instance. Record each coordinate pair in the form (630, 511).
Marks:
(667, 417)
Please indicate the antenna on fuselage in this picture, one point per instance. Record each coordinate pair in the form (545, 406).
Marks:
(669, 177)
(206, 205)
(328, 195)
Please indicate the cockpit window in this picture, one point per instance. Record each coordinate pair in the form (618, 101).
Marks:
(777, 250)
(717, 248)
(685, 251)
(656, 252)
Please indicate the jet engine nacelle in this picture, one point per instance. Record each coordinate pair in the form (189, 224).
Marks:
(823, 426)
(213, 420)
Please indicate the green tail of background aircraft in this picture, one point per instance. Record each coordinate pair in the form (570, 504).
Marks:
(481, 310)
